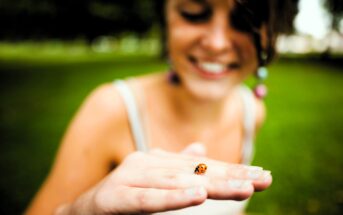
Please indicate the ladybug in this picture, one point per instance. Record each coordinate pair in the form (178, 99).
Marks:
(200, 169)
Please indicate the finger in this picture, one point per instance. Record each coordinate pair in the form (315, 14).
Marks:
(232, 189)
(150, 200)
(261, 185)
(167, 179)
(261, 179)
(195, 149)
(174, 179)
(174, 159)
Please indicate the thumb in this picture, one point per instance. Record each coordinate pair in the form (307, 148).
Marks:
(195, 149)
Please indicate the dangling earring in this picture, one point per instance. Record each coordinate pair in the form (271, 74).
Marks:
(260, 90)
(173, 77)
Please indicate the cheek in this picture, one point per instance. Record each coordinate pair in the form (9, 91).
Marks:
(181, 37)
(247, 52)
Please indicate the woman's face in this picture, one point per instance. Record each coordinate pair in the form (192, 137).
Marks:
(209, 55)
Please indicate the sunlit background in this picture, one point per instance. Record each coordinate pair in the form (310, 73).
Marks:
(54, 52)
(315, 30)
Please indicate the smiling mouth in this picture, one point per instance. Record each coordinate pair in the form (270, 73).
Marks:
(215, 70)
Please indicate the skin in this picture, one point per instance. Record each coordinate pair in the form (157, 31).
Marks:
(82, 179)
(213, 40)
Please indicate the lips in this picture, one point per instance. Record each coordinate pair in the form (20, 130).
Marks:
(212, 69)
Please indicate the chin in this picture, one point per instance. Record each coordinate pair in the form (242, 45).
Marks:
(209, 92)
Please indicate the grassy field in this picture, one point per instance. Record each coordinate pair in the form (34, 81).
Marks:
(301, 141)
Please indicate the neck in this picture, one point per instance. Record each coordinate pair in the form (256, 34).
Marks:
(196, 111)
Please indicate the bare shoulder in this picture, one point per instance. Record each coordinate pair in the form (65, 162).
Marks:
(102, 112)
(87, 150)
(104, 100)
(260, 113)
(102, 117)
(98, 129)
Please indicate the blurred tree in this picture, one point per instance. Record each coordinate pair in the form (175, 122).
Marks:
(335, 7)
(124, 15)
(22, 19)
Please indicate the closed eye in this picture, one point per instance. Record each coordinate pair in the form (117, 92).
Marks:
(197, 17)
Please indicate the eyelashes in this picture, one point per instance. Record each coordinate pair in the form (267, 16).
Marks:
(199, 17)
(239, 18)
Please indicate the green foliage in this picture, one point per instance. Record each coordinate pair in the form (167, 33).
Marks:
(300, 142)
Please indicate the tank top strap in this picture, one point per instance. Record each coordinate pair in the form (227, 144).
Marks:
(133, 113)
(249, 118)
(137, 130)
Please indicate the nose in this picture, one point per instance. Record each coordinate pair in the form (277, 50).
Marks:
(216, 39)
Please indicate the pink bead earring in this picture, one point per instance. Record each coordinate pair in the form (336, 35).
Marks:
(260, 90)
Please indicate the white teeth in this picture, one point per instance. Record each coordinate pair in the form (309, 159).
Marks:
(214, 68)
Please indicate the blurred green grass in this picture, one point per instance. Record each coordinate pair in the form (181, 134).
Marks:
(301, 141)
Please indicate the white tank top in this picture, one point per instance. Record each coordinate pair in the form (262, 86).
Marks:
(213, 207)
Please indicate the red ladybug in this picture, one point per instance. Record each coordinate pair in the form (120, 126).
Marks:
(200, 169)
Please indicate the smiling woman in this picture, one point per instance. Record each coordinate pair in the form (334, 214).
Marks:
(210, 41)
(207, 116)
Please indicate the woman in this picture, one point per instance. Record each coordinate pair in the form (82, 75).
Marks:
(213, 46)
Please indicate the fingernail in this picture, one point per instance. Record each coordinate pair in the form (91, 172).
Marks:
(239, 184)
(259, 175)
(195, 191)
(255, 168)
(266, 175)
(254, 174)
(252, 168)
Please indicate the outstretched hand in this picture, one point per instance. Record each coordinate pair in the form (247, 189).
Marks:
(159, 181)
